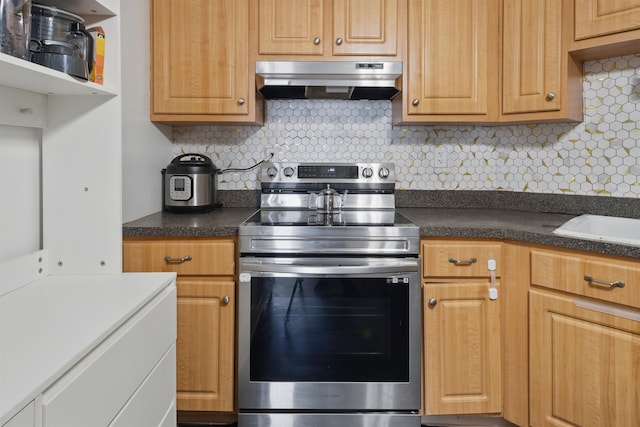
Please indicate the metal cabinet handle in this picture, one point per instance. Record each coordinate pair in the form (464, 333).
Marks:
(170, 260)
(226, 300)
(550, 96)
(415, 102)
(614, 284)
(432, 302)
(339, 41)
(316, 41)
(240, 101)
(457, 261)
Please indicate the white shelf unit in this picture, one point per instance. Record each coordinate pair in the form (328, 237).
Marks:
(81, 146)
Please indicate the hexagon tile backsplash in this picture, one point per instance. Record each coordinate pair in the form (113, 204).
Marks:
(600, 156)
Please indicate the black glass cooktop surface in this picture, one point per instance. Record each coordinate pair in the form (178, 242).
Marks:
(345, 218)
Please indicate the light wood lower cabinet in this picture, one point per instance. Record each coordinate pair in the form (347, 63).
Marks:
(461, 349)
(462, 332)
(584, 363)
(584, 339)
(206, 315)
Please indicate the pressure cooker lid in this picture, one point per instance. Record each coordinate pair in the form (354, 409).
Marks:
(191, 163)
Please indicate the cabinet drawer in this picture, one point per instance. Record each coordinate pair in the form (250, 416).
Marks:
(459, 259)
(97, 387)
(570, 272)
(185, 257)
(153, 404)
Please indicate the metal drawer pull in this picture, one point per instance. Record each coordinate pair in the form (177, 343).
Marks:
(462, 261)
(615, 284)
(433, 302)
(226, 300)
(170, 260)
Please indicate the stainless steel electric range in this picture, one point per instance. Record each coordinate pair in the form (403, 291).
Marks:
(329, 306)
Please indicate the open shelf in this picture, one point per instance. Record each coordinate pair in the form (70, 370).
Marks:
(21, 74)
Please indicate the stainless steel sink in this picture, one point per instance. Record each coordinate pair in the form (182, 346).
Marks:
(624, 231)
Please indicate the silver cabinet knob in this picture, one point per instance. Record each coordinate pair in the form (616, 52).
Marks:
(550, 96)
(415, 102)
(240, 101)
(432, 302)
(316, 41)
(339, 41)
(226, 300)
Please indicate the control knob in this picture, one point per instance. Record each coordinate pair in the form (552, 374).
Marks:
(383, 173)
(272, 171)
(367, 172)
(288, 171)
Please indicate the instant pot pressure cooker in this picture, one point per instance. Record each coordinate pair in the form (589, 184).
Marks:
(190, 184)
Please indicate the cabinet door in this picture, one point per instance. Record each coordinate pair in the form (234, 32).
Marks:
(291, 27)
(584, 364)
(532, 56)
(600, 17)
(205, 345)
(200, 61)
(365, 27)
(462, 370)
(453, 54)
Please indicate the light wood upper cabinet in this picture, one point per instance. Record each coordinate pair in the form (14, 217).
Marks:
(291, 27)
(205, 347)
(365, 27)
(453, 57)
(522, 74)
(541, 82)
(327, 27)
(585, 364)
(601, 17)
(200, 62)
(605, 28)
(532, 56)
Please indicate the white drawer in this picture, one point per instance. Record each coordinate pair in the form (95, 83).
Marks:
(99, 386)
(153, 404)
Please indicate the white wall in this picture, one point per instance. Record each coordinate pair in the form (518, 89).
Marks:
(20, 208)
(146, 148)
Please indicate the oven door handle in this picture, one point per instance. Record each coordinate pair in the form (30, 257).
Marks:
(332, 268)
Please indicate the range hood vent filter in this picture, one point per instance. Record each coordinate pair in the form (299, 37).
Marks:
(328, 80)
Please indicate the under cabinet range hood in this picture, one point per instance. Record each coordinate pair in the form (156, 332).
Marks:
(328, 80)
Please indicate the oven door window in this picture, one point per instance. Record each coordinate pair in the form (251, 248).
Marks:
(329, 329)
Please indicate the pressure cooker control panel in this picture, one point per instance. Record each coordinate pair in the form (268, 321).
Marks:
(180, 187)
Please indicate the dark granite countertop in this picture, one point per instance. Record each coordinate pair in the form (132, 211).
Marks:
(529, 227)
(217, 223)
(528, 218)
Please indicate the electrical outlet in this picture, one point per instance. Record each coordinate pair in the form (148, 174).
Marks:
(441, 158)
(270, 154)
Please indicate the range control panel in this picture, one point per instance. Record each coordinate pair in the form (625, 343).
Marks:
(328, 173)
